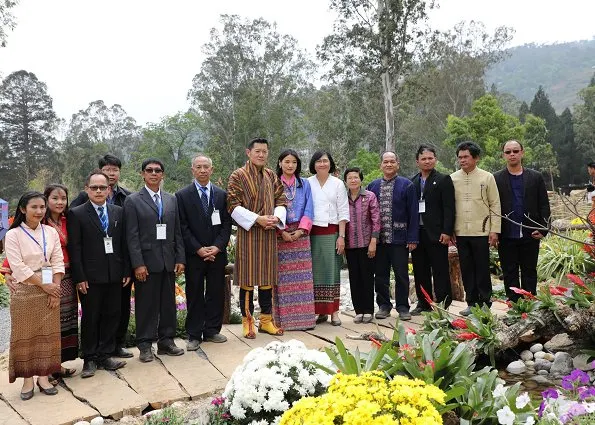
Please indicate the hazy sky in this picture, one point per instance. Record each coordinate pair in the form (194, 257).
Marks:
(143, 54)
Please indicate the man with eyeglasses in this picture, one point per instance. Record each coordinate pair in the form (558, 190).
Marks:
(525, 207)
(157, 256)
(99, 266)
(116, 195)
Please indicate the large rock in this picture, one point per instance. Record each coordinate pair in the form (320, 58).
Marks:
(536, 347)
(542, 364)
(526, 355)
(516, 367)
(562, 365)
(560, 342)
(582, 362)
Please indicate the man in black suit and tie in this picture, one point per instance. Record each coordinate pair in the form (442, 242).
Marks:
(436, 196)
(206, 228)
(116, 195)
(156, 253)
(100, 266)
(524, 200)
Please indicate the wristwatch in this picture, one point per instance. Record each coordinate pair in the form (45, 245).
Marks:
(341, 236)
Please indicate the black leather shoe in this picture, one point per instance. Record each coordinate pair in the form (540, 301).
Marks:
(170, 350)
(122, 353)
(146, 355)
(112, 364)
(28, 395)
(417, 311)
(48, 391)
(89, 369)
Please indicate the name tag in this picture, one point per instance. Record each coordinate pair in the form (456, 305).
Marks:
(161, 232)
(108, 245)
(215, 218)
(422, 206)
(46, 275)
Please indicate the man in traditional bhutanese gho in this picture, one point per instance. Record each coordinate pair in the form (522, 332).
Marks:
(256, 201)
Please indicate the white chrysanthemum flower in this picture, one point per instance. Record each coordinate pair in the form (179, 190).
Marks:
(237, 412)
(530, 421)
(499, 391)
(522, 400)
(505, 416)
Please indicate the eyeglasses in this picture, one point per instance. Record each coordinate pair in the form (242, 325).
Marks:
(512, 151)
(153, 170)
(100, 188)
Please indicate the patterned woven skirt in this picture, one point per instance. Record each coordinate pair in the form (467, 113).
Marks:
(34, 334)
(293, 296)
(326, 269)
(69, 322)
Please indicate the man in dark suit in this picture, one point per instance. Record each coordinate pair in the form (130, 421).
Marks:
(524, 200)
(100, 266)
(156, 253)
(111, 165)
(206, 228)
(436, 196)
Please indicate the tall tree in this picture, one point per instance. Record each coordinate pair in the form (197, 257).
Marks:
(27, 123)
(7, 21)
(523, 111)
(542, 107)
(376, 40)
(585, 122)
(569, 154)
(249, 85)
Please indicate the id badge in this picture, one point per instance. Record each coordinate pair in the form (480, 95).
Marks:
(422, 206)
(215, 218)
(46, 275)
(161, 232)
(108, 245)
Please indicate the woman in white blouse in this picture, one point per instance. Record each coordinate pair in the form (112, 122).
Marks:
(327, 237)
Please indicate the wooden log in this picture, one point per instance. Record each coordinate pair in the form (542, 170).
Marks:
(454, 268)
(227, 293)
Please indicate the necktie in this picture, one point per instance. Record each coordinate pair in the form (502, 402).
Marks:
(204, 199)
(103, 219)
(158, 203)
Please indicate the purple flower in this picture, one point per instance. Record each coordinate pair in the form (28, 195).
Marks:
(218, 401)
(550, 393)
(576, 409)
(542, 407)
(585, 392)
(577, 376)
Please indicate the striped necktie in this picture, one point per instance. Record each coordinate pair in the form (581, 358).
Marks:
(204, 199)
(103, 218)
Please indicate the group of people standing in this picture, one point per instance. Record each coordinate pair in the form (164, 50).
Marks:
(292, 236)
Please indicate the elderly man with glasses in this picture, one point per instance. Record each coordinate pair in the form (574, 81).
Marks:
(525, 207)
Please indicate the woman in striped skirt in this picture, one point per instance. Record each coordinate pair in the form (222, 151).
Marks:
(293, 296)
(331, 214)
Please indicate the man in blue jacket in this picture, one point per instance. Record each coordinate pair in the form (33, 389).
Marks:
(399, 234)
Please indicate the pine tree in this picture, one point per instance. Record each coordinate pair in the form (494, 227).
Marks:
(569, 156)
(584, 118)
(542, 107)
(523, 111)
(27, 122)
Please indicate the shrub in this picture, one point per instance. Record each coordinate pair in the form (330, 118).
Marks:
(559, 256)
(4, 296)
(167, 415)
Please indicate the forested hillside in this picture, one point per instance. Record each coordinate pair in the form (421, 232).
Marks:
(562, 70)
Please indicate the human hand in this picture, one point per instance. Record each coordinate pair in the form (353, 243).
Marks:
(340, 245)
(266, 222)
(53, 302)
(203, 252)
(444, 239)
(411, 246)
(287, 237)
(52, 289)
(493, 239)
(11, 282)
(141, 273)
(295, 235)
(125, 281)
(536, 234)
(83, 287)
(372, 248)
(179, 269)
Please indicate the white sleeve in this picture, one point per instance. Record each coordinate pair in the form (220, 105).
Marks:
(281, 213)
(244, 217)
(342, 203)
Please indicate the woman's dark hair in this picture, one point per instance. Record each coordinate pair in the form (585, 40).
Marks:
(353, 170)
(473, 149)
(19, 216)
(319, 154)
(422, 149)
(152, 161)
(48, 191)
(298, 169)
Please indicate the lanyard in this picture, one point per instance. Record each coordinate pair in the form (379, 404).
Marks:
(422, 183)
(35, 240)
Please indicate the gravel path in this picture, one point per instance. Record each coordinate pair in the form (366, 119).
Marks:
(4, 329)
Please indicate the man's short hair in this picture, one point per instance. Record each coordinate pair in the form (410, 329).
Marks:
(109, 160)
(152, 161)
(96, 172)
(385, 152)
(591, 164)
(508, 141)
(317, 155)
(257, 140)
(202, 155)
(423, 148)
(353, 170)
(472, 147)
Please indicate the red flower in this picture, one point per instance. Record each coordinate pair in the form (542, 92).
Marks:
(410, 331)
(522, 292)
(509, 303)
(524, 315)
(467, 336)
(459, 324)
(557, 290)
(578, 282)
(427, 296)
(375, 342)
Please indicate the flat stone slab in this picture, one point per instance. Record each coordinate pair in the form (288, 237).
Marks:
(312, 342)
(227, 356)
(261, 339)
(111, 396)
(152, 381)
(8, 416)
(197, 375)
(60, 409)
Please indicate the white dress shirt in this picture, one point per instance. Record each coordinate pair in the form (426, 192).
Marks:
(331, 204)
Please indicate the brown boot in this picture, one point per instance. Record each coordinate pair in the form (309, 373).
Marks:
(248, 327)
(267, 325)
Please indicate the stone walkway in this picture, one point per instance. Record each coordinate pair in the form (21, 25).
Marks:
(194, 375)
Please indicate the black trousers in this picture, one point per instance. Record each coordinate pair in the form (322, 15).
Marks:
(265, 300)
(361, 279)
(124, 315)
(205, 301)
(99, 322)
(397, 257)
(474, 256)
(155, 309)
(430, 264)
(519, 255)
